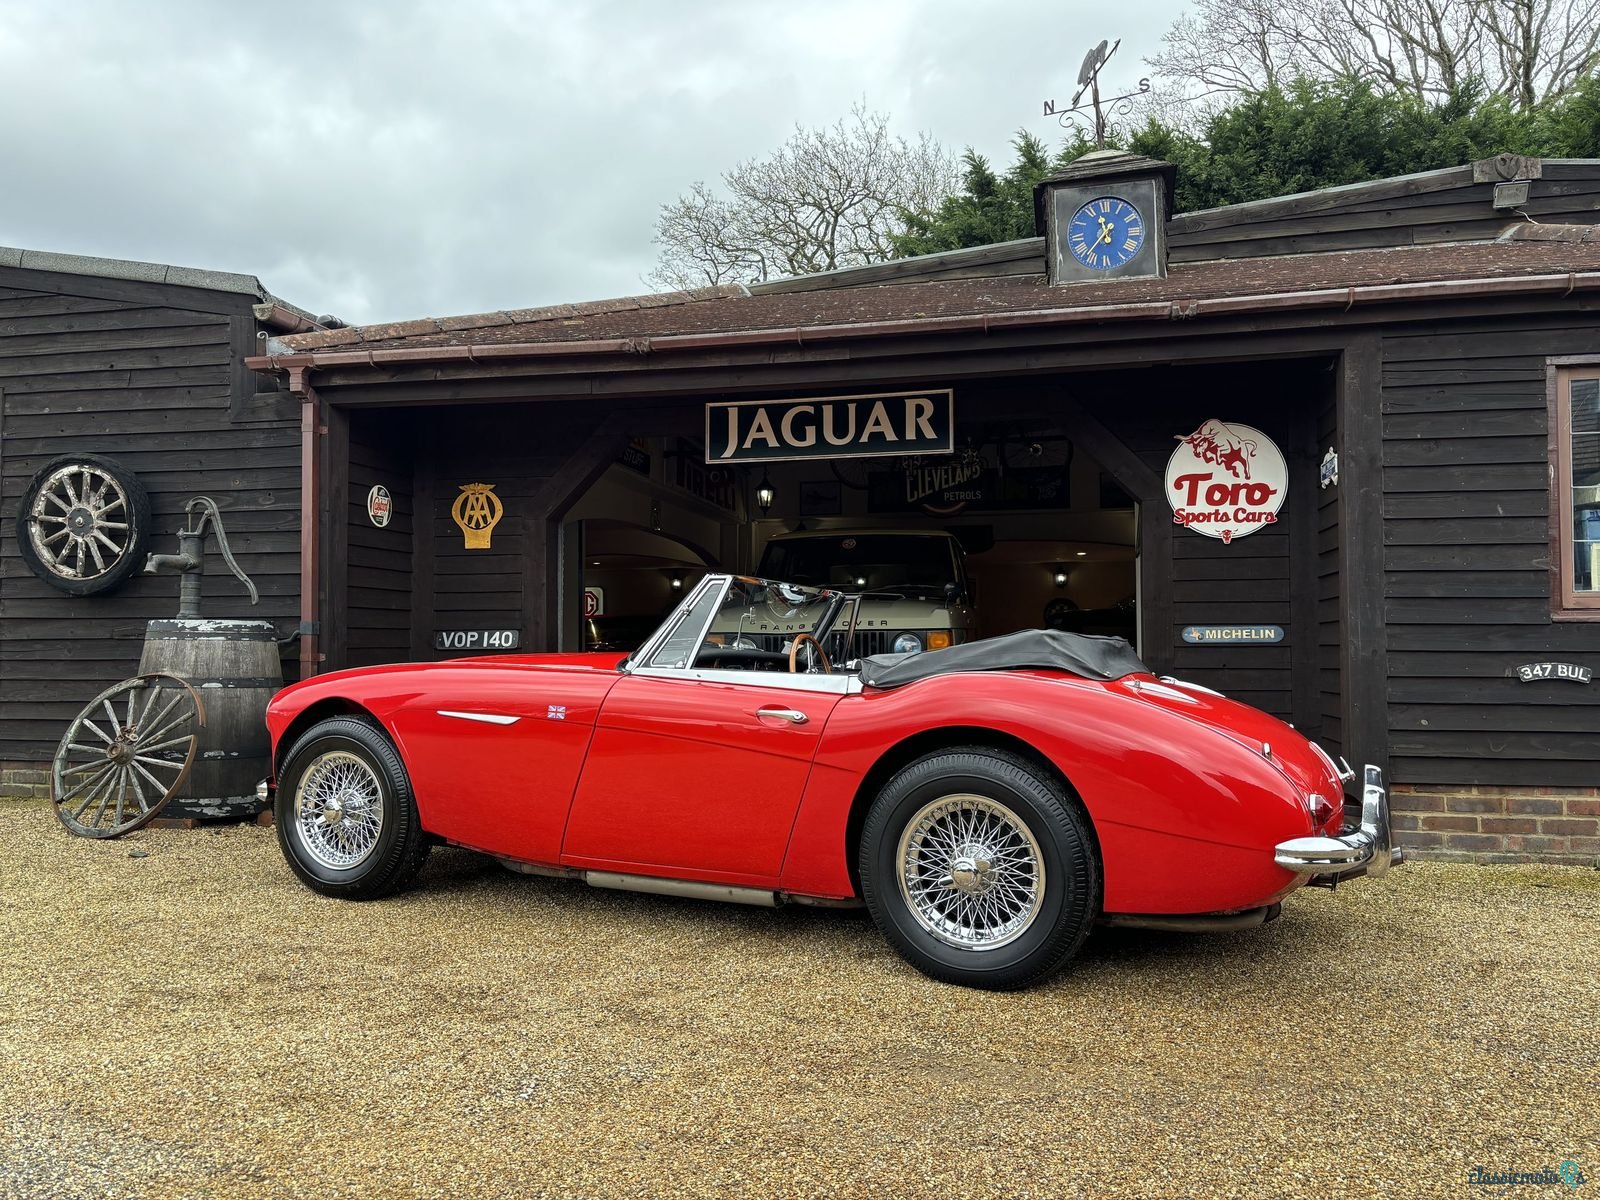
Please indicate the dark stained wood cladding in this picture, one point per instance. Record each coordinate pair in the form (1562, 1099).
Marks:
(1445, 206)
(1466, 558)
(518, 449)
(1202, 581)
(145, 373)
(378, 569)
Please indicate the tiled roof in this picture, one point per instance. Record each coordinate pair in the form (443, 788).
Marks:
(732, 309)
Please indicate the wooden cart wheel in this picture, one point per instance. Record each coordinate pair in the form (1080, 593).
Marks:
(126, 754)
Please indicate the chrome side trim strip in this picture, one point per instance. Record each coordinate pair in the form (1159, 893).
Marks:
(842, 684)
(1199, 687)
(1196, 922)
(486, 718)
(680, 887)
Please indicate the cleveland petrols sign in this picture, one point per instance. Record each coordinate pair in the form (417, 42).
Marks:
(831, 427)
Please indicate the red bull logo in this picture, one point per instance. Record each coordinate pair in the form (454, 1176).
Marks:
(1226, 480)
(1215, 442)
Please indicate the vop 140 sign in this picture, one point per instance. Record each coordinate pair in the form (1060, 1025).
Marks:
(1226, 480)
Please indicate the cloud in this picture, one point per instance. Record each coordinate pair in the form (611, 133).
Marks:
(383, 160)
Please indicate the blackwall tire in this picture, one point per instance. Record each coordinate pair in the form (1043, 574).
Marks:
(346, 819)
(979, 869)
(83, 544)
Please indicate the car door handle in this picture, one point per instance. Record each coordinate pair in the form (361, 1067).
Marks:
(793, 716)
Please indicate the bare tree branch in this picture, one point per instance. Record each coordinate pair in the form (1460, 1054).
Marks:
(1526, 50)
(827, 198)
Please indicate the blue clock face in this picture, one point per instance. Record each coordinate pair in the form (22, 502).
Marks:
(1106, 233)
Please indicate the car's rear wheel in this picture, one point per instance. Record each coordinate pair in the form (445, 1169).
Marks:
(979, 868)
(347, 822)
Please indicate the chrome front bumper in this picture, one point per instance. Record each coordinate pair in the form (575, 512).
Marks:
(1365, 849)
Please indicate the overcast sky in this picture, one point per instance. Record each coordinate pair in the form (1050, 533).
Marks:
(385, 159)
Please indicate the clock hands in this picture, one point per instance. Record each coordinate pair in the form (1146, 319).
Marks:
(1117, 232)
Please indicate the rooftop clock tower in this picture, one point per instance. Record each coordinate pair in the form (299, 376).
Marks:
(1104, 216)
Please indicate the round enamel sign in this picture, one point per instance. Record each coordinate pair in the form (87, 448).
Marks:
(1226, 480)
(380, 505)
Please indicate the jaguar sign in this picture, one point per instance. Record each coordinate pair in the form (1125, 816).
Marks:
(831, 427)
(1226, 480)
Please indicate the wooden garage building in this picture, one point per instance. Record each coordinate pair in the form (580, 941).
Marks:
(1424, 351)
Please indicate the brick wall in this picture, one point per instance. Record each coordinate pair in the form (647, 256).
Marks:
(24, 781)
(1499, 824)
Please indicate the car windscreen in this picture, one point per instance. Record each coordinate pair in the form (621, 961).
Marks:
(915, 566)
(757, 610)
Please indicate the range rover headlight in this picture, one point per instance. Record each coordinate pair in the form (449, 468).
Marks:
(907, 643)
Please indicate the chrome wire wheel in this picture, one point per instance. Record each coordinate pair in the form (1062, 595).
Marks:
(338, 810)
(970, 871)
(80, 522)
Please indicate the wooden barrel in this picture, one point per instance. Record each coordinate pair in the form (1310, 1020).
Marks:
(234, 666)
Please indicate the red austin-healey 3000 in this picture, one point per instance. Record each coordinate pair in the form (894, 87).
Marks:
(988, 803)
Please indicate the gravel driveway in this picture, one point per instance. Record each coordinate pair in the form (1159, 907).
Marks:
(181, 1018)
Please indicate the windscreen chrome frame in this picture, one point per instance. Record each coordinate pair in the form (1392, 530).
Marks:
(635, 663)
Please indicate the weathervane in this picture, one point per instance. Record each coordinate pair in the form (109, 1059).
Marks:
(1093, 117)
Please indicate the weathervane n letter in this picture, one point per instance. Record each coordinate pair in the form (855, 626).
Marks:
(1091, 118)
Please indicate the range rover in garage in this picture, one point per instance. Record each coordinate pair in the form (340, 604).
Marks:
(918, 594)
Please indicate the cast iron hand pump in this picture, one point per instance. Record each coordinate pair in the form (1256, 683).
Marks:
(190, 558)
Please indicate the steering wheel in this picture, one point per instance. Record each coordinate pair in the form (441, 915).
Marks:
(794, 652)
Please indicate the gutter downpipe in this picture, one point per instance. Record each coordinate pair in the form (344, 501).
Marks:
(313, 431)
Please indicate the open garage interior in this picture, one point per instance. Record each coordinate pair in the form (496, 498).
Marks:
(1048, 513)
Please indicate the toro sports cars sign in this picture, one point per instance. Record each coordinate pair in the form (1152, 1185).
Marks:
(831, 427)
(1226, 480)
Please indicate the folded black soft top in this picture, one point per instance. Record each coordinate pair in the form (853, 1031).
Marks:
(1051, 649)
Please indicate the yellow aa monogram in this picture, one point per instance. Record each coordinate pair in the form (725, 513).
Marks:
(477, 511)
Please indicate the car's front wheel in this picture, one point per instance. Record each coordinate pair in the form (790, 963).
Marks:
(979, 868)
(347, 822)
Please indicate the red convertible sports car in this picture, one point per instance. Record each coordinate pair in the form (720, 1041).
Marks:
(988, 803)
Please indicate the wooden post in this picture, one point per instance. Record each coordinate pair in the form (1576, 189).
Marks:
(1304, 632)
(312, 431)
(541, 578)
(424, 473)
(1364, 661)
(335, 522)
